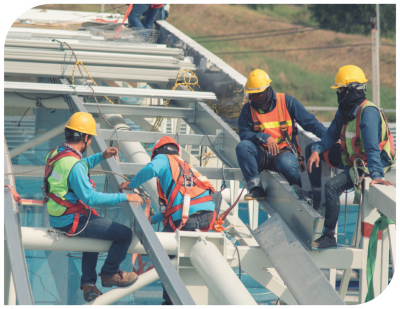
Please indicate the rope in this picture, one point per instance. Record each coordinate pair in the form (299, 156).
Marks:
(78, 64)
(380, 225)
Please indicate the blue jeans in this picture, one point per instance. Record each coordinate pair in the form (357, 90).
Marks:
(195, 221)
(137, 11)
(250, 157)
(100, 228)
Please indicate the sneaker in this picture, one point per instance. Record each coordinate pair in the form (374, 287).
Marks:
(311, 197)
(90, 292)
(324, 242)
(120, 279)
(167, 303)
(256, 193)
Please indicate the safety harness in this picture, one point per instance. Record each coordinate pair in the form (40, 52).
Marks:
(185, 182)
(287, 134)
(77, 209)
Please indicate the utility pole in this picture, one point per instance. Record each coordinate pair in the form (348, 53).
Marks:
(378, 25)
(102, 8)
(375, 63)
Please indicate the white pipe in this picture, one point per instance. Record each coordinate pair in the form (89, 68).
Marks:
(219, 277)
(134, 152)
(118, 293)
(34, 238)
(37, 140)
(226, 194)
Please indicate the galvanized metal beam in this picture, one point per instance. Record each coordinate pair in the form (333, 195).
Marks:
(145, 111)
(43, 90)
(152, 137)
(142, 228)
(209, 172)
(301, 275)
(383, 198)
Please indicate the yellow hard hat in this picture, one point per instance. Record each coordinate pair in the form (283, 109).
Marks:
(257, 81)
(82, 122)
(349, 74)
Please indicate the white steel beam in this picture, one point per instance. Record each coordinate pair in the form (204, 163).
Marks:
(37, 140)
(97, 72)
(12, 99)
(384, 199)
(43, 90)
(222, 282)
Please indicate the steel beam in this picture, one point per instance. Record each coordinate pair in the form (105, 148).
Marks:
(209, 172)
(43, 90)
(12, 236)
(142, 228)
(383, 198)
(152, 137)
(145, 111)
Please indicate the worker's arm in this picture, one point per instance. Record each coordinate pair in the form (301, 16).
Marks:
(78, 181)
(370, 127)
(331, 136)
(307, 120)
(153, 169)
(95, 159)
(246, 128)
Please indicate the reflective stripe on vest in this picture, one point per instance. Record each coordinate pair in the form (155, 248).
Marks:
(269, 122)
(352, 141)
(57, 182)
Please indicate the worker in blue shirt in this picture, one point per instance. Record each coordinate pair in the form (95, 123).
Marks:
(267, 130)
(172, 182)
(364, 136)
(70, 192)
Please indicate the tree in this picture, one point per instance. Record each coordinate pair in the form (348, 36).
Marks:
(355, 18)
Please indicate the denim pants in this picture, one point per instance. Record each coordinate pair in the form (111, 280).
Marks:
(137, 11)
(196, 221)
(100, 228)
(250, 158)
(333, 187)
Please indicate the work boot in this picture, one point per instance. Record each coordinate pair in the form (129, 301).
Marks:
(90, 292)
(256, 193)
(312, 197)
(324, 242)
(120, 279)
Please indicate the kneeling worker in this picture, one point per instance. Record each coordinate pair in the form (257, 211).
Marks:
(69, 190)
(365, 139)
(267, 130)
(184, 192)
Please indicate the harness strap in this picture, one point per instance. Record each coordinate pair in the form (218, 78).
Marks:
(168, 212)
(325, 154)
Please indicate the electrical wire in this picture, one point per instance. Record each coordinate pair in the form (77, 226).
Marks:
(35, 99)
(240, 265)
(23, 116)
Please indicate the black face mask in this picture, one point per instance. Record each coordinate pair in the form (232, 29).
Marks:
(348, 101)
(265, 101)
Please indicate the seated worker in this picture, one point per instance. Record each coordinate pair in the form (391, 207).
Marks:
(69, 190)
(267, 130)
(174, 178)
(364, 135)
(148, 10)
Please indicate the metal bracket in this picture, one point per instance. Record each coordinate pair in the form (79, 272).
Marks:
(219, 140)
(192, 105)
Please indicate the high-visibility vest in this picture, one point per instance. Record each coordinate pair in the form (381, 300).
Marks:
(156, 6)
(181, 171)
(275, 123)
(58, 168)
(352, 141)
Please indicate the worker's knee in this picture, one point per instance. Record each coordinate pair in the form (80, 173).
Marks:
(244, 148)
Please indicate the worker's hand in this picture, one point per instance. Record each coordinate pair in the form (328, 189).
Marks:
(124, 186)
(314, 158)
(272, 146)
(134, 197)
(380, 181)
(110, 152)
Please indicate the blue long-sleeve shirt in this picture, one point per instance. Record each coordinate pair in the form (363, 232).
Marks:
(370, 127)
(296, 111)
(160, 167)
(79, 183)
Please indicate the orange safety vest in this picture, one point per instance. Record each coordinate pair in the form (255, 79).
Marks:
(276, 123)
(181, 173)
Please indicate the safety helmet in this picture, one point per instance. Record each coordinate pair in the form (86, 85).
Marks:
(347, 75)
(82, 122)
(257, 81)
(161, 142)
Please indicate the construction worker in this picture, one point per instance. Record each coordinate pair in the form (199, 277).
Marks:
(184, 192)
(148, 10)
(70, 193)
(267, 130)
(364, 139)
